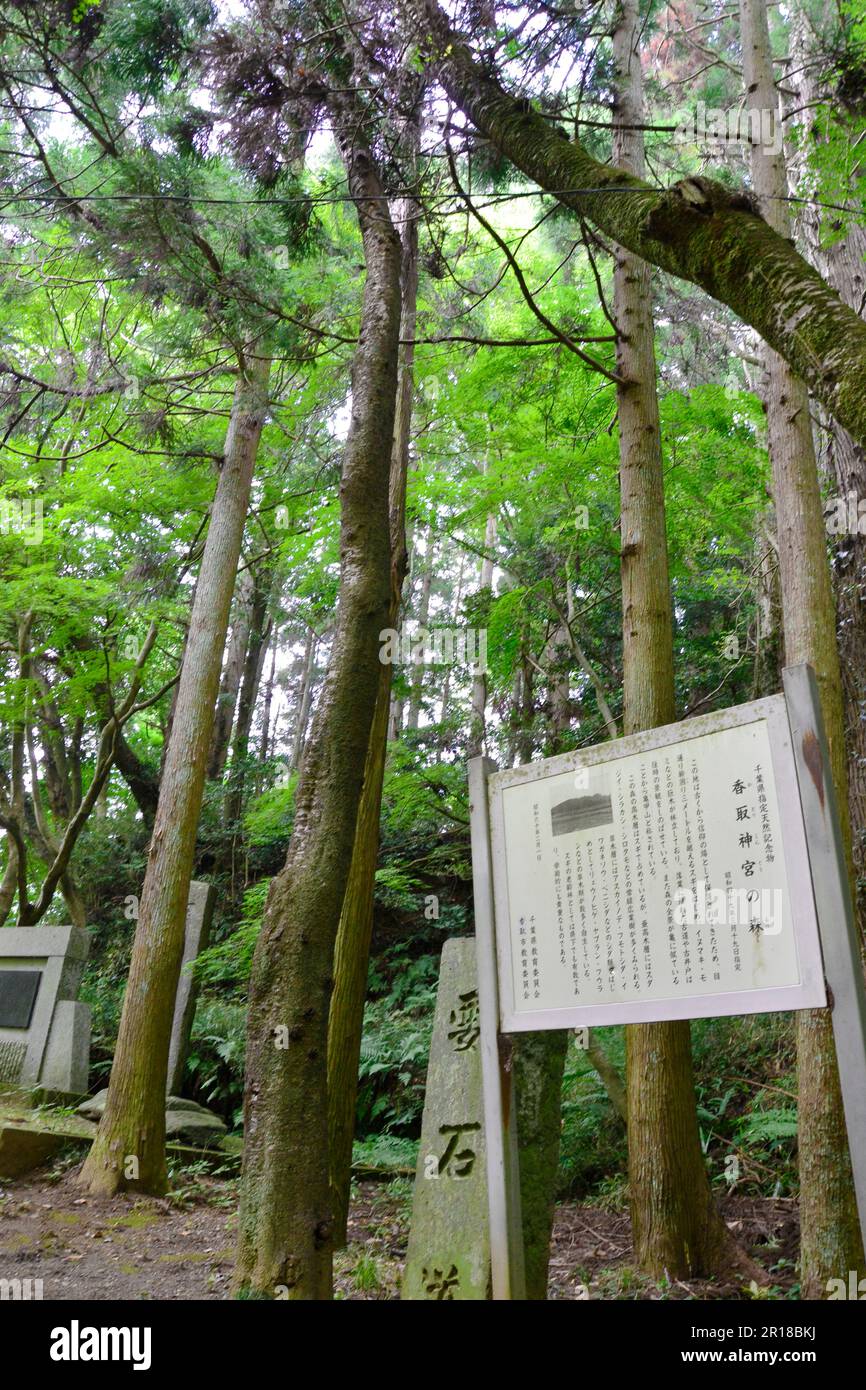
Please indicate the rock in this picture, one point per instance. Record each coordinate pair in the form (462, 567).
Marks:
(24, 1147)
(186, 1121)
(181, 1103)
(94, 1107)
(200, 1128)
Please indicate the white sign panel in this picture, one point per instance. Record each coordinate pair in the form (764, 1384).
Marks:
(659, 876)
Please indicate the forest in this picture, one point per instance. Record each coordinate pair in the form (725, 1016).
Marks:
(387, 386)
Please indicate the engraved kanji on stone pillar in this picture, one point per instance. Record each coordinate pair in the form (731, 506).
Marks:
(449, 1242)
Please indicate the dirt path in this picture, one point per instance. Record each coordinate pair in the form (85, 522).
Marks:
(181, 1247)
(121, 1247)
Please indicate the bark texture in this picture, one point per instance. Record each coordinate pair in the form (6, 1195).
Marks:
(351, 959)
(539, 1060)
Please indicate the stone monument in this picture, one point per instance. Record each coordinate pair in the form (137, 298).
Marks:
(449, 1243)
(199, 912)
(44, 1030)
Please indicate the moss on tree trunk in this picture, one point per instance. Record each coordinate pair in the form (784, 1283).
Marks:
(352, 954)
(698, 231)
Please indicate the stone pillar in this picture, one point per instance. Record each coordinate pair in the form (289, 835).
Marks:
(449, 1242)
(199, 913)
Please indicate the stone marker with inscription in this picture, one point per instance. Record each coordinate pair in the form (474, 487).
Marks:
(449, 1246)
(44, 1030)
(199, 912)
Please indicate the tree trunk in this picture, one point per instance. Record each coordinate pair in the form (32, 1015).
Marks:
(265, 743)
(767, 677)
(608, 1075)
(305, 696)
(698, 230)
(352, 954)
(843, 265)
(249, 688)
(830, 1242)
(525, 741)
(675, 1225)
(417, 687)
(395, 720)
(479, 680)
(9, 883)
(557, 665)
(129, 1149)
(285, 1232)
(231, 678)
(511, 747)
(142, 781)
(539, 1059)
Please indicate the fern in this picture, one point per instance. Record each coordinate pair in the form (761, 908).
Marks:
(769, 1126)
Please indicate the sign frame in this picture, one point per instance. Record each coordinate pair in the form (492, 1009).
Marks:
(809, 993)
(813, 804)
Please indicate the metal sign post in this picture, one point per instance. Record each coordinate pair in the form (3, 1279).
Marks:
(500, 1112)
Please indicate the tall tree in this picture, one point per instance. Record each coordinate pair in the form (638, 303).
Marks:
(254, 659)
(416, 689)
(129, 1149)
(352, 951)
(675, 1225)
(841, 259)
(830, 1241)
(285, 1232)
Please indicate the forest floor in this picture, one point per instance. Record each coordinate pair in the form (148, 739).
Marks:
(181, 1247)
